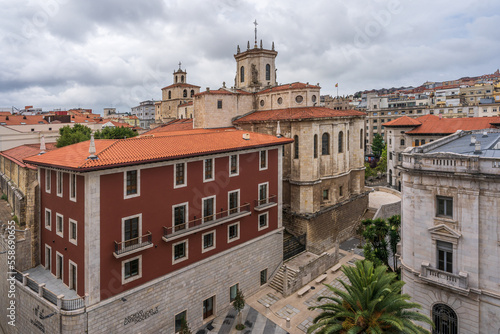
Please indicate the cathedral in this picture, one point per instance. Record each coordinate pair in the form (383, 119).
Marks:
(324, 196)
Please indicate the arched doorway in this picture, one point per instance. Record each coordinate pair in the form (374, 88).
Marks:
(445, 319)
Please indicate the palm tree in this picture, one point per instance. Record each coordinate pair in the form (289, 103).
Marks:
(372, 303)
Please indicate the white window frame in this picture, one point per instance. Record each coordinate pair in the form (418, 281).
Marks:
(229, 240)
(139, 215)
(49, 225)
(203, 249)
(229, 200)
(185, 175)
(70, 231)
(184, 258)
(135, 277)
(267, 160)
(237, 165)
(48, 180)
(186, 218)
(267, 221)
(70, 277)
(59, 255)
(72, 186)
(59, 179)
(203, 208)
(125, 196)
(48, 249)
(213, 170)
(60, 233)
(267, 191)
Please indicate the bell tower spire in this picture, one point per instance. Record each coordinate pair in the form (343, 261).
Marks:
(255, 23)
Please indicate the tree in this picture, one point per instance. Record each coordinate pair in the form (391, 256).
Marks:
(185, 327)
(378, 145)
(115, 133)
(371, 303)
(382, 238)
(239, 305)
(382, 163)
(394, 237)
(71, 135)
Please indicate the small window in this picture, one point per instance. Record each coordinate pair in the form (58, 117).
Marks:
(59, 184)
(47, 180)
(48, 219)
(132, 184)
(208, 209)
(390, 155)
(219, 104)
(268, 72)
(72, 187)
(178, 320)
(263, 277)
(180, 175)
(242, 74)
(325, 195)
(180, 216)
(208, 307)
(341, 191)
(341, 142)
(263, 160)
(315, 146)
(263, 221)
(325, 144)
(179, 251)
(299, 99)
(232, 292)
(422, 142)
(295, 147)
(184, 93)
(208, 241)
(192, 93)
(444, 207)
(233, 232)
(208, 174)
(132, 269)
(262, 102)
(444, 256)
(263, 193)
(169, 95)
(234, 201)
(59, 225)
(313, 98)
(402, 142)
(417, 142)
(361, 139)
(233, 165)
(73, 231)
(280, 100)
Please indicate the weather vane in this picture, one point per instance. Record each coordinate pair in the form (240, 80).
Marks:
(255, 23)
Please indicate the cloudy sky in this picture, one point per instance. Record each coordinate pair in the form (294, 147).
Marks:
(116, 53)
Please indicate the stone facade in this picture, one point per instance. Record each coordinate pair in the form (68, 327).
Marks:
(450, 230)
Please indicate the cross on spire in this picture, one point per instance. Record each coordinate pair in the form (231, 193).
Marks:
(255, 23)
(179, 65)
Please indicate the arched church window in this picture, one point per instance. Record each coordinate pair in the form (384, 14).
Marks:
(268, 72)
(176, 79)
(182, 78)
(169, 95)
(185, 93)
(242, 74)
(192, 92)
(325, 143)
(341, 142)
(445, 319)
(296, 147)
(315, 146)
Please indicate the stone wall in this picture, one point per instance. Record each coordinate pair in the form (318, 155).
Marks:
(310, 271)
(388, 210)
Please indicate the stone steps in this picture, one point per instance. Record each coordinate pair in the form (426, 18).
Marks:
(277, 282)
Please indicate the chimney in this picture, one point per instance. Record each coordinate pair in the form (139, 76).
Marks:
(485, 133)
(472, 140)
(477, 148)
(246, 136)
(278, 130)
(92, 148)
(42, 145)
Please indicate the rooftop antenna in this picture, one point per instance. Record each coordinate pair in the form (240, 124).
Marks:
(255, 23)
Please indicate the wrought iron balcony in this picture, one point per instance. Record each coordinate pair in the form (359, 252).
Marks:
(134, 245)
(442, 278)
(197, 224)
(265, 203)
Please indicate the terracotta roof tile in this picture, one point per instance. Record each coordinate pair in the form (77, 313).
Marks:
(295, 85)
(17, 154)
(146, 149)
(181, 85)
(402, 121)
(20, 119)
(297, 114)
(433, 125)
(175, 125)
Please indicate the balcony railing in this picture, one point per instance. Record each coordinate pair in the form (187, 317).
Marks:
(133, 245)
(219, 217)
(265, 203)
(443, 278)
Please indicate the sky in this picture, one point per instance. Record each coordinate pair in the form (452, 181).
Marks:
(115, 53)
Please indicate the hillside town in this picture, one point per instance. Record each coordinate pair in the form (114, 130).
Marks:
(258, 187)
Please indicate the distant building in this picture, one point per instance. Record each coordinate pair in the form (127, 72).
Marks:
(145, 112)
(451, 232)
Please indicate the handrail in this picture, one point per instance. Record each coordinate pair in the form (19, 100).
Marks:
(134, 243)
(199, 221)
(270, 199)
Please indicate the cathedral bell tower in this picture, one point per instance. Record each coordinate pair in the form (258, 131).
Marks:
(180, 76)
(255, 68)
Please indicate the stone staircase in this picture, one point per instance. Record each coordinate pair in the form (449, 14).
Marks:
(277, 282)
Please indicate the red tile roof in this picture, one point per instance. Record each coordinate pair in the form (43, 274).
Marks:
(5, 113)
(181, 85)
(291, 86)
(175, 125)
(17, 154)
(434, 125)
(19, 119)
(153, 148)
(403, 121)
(297, 114)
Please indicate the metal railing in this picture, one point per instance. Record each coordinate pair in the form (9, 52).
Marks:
(32, 284)
(264, 201)
(216, 217)
(133, 244)
(49, 295)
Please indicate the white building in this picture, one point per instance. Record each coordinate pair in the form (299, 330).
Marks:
(451, 231)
